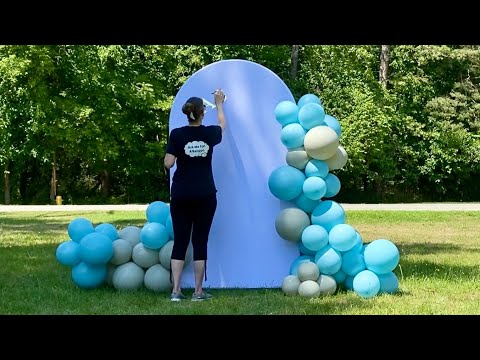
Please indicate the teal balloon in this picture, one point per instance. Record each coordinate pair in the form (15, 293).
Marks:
(342, 237)
(348, 282)
(307, 99)
(381, 256)
(334, 124)
(352, 263)
(357, 247)
(305, 203)
(292, 136)
(299, 261)
(107, 229)
(339, 276)
(329, 260)
(158, 212)
(304, 251)
(68, 253)
(333, 185)
(328, 213)
(286, 112)
(286, 182)
(169, 226)
(364, 246)
(78, 228)
(88, 276)
(366, 284)
(311, 115)
(388, 283)
(314, 237)
(316, 167)
(314, 187)
(154, 235)
(96, 248)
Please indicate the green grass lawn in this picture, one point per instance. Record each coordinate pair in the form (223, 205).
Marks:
(439, 271)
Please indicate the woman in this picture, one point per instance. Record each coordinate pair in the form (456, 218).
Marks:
(193, 193)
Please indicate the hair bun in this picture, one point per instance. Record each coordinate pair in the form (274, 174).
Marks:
(187, 108)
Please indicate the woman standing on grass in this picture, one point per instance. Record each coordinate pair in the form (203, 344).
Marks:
(193, 194)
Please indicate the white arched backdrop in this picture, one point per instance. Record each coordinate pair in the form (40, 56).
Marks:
(244, 249)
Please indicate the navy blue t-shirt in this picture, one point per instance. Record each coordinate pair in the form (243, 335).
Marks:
(193, 148)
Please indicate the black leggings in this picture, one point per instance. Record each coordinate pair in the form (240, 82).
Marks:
(192, 217)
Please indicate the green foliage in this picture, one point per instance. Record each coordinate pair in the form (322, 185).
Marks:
(101, 112)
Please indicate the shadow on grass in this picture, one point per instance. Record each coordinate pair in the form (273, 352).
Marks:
(46, 224)
(410, 267)
(429, 269)
(431, 248)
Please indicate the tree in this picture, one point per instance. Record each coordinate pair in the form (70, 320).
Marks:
(383, 73)
(294, 62)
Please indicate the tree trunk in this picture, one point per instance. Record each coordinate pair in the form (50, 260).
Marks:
(384, 58)
(105, 182)
(6, 184)
(53, 182)
(294, 69)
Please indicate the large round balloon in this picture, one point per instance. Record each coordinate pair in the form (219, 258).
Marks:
(244, 250)
(79, 227)
(381, 256)
(285, 182)
(68, 253)
(89, 276)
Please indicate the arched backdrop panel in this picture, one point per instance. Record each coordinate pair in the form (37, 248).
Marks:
(244, 249)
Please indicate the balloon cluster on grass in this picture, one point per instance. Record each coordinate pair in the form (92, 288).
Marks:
(331, 252)
(128, 259)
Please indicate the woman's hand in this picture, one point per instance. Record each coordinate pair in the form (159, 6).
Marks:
(219, 96)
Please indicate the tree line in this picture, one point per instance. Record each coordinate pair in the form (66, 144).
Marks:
(90, 123)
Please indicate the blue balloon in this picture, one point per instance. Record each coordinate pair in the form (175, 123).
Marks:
(348, 282)
(299, 261)
(286, 112)
(329, 260)
(154, 235)
(388, 283)
(68, 253)
(314, 237)
(96, 248)
(333, 185)
(357, 248)
(169, 226)
(334, 124)
(80, 227)
(352, 263)
(304, 251)
(328, 214)
(316, 168)
(307, 99)
(88, 276)
(157, 211)
(286, 182)
(305, 203)
(381, 256)
(108, 229)
(342, 237)
(339, 276)
(364, 246)
(311, 115)
(366, 284)
(292, 136)
(314, 187)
